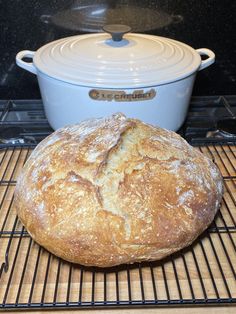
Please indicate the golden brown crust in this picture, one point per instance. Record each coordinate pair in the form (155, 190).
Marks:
(115, 190)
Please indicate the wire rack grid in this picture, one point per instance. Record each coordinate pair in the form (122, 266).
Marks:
(204, 273)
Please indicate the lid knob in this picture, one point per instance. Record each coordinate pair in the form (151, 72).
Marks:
(117, 31)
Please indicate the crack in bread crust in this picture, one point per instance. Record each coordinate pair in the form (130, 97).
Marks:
(113, 172)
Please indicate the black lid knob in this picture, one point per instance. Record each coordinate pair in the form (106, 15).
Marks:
(117, 31)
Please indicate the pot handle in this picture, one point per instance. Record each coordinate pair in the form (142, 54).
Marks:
(211, 58)
(28, 66)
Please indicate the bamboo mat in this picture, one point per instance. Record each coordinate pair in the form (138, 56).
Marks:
(204, 273)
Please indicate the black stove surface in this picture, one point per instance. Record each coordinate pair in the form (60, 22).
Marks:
(210, 119)
(22, 122)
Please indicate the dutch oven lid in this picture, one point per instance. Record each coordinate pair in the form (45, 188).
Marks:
(117, 59)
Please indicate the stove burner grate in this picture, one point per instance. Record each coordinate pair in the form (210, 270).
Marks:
(211, 119)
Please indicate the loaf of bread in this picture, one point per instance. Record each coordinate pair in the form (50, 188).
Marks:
(116, 190)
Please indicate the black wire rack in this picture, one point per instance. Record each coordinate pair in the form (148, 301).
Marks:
(204, 273)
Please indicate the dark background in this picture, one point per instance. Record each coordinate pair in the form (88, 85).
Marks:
(29, 24)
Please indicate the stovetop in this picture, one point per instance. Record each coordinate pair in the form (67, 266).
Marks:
(210, 119)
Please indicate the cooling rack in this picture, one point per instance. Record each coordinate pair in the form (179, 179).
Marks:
(203, 273)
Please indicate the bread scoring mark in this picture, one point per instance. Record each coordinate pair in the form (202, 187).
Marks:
(113, 173)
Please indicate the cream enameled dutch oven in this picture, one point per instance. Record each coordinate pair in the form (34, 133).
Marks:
(94, 75)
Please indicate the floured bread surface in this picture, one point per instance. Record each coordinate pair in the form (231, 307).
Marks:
(115, 190)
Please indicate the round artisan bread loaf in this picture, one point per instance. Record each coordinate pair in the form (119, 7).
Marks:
(115, 190)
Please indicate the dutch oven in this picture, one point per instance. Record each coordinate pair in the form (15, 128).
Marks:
(92, 75)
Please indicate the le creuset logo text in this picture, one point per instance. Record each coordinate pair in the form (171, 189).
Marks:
(120, 95)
